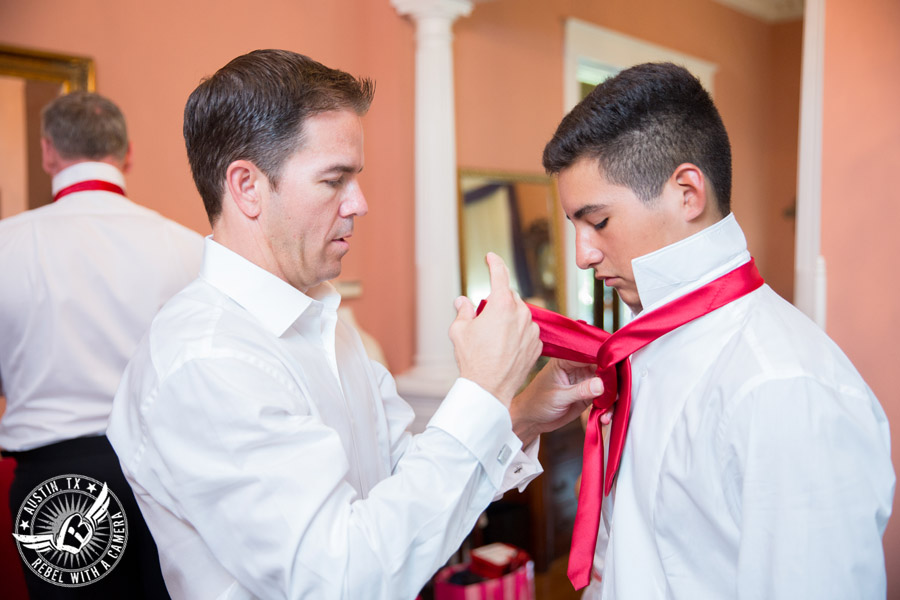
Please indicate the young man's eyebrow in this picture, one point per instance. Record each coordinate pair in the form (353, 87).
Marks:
(587, 209)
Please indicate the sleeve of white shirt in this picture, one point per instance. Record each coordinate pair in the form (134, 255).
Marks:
(809, 481)
(263, 483)
(520, 471)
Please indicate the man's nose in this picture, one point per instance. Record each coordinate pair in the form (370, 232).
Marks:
(586, 255)
(354, 204)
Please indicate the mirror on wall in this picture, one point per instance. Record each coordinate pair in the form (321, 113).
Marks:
(515, 216)
(29, 79)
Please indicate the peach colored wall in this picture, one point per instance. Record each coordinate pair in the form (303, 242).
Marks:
(13, 189)
(509, 94)
(508, 64)
(861, 204)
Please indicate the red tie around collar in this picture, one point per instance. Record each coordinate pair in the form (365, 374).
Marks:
(90, 185)
(577, 341)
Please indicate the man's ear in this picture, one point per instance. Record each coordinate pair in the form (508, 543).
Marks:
(693, 193)
(126, 162)
(246, 186)
(49, 156)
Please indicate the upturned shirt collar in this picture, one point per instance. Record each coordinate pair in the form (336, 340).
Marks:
(273, 302)
(679, 268)
(85, 171)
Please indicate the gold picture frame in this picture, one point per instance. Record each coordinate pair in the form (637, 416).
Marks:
(71, 72)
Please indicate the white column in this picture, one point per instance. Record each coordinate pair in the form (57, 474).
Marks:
(437, 231)
(809, 264)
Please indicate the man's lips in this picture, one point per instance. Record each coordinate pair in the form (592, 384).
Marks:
(607, 280)
(343, 242)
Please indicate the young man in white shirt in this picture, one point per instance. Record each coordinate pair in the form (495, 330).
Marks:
(82, 278)
(269, 454)
(757, 461)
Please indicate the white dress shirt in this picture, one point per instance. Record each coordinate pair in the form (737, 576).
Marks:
(757, 463)
(80, 281)
(270, 456)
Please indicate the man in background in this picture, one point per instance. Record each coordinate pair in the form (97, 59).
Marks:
(81, 279)
(271, 457)
(757, 462)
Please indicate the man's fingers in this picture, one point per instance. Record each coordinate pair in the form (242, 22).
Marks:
(589, 388)
(499, 272)
(465, 311)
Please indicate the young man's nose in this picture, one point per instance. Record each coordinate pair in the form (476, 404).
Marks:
(586, 255)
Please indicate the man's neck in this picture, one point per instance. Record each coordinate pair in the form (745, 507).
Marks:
(62, 164)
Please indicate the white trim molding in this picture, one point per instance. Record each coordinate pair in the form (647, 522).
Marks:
(770, 11)
(809, 264)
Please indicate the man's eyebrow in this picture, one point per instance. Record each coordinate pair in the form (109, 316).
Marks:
(340, 168)
(587, 209)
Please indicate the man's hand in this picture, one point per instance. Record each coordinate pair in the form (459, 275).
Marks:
(558, 394)
(499, 347)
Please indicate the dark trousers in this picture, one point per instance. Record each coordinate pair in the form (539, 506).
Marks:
(137, 574)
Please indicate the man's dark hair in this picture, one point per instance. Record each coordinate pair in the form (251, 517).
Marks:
(85, 125)
(254, 109)
(640, 125)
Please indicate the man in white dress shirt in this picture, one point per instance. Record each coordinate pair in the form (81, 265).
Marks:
(81, 279)
(270, 456)
(757, 461)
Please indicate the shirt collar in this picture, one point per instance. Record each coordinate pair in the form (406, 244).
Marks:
(679, 268)
(275, 303)
(85, 171)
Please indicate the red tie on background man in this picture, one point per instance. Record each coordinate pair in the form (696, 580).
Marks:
(577, 341)
(90, 185)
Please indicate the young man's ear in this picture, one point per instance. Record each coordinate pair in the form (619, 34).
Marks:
(693, 193)
(246, 186)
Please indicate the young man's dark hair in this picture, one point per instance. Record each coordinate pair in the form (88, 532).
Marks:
(640, 125)
(254, 108)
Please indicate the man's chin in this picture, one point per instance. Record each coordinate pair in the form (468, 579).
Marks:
(332, 273)
(631, 300)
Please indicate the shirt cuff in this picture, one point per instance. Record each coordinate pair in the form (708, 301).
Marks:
(522, 469)
(481, 423)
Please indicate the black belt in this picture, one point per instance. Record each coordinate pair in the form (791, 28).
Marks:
(82, 446)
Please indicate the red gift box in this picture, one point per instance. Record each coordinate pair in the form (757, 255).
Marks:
(515, 584)
(496, 560)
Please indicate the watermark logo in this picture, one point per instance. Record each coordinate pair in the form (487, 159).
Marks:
(71, 530)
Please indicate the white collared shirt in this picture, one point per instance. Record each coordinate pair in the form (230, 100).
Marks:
(757, 463)
(80, 281)
(270, 456)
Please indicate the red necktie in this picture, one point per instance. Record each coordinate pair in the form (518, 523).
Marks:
(90, 185)
(580, 342)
